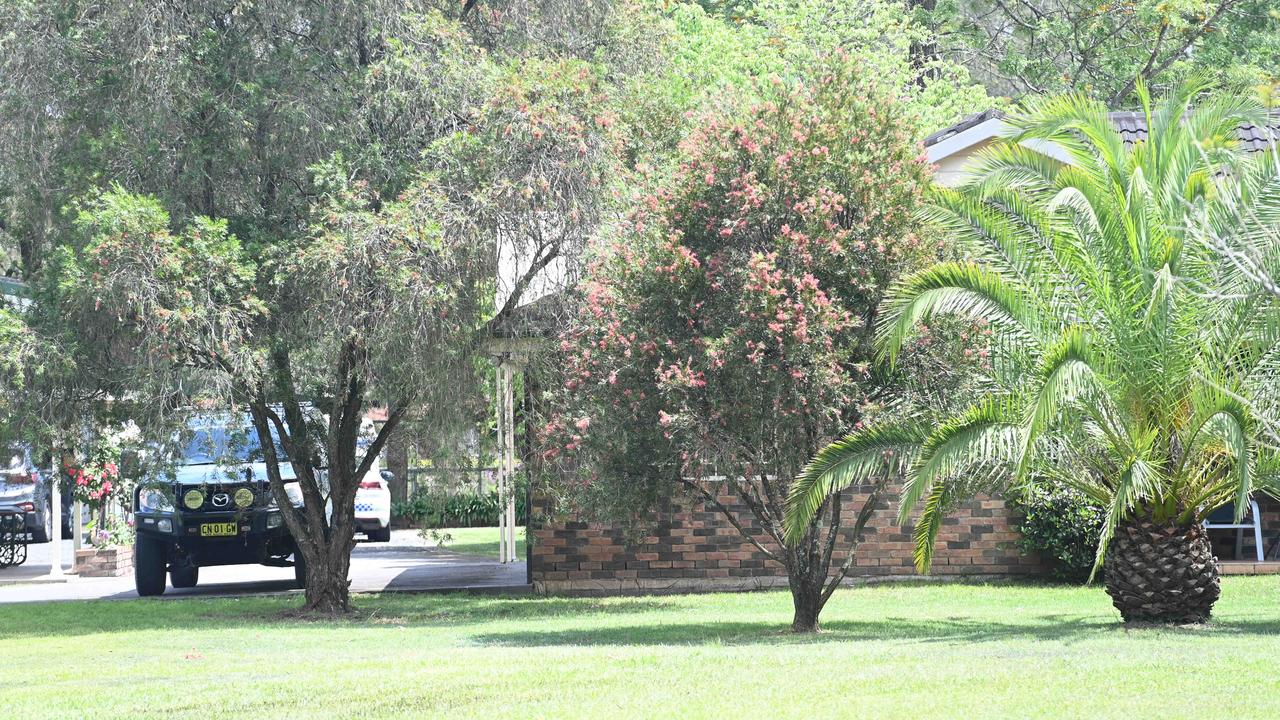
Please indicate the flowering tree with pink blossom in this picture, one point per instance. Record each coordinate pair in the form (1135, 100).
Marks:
(95, 477)
(725, 330)
(94, 484)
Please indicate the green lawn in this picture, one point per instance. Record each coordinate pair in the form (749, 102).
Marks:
(917, 651)
(479, 541)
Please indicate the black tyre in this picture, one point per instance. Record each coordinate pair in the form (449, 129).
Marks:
(299, 570)
(184, 576)
(382, 535)
(148, 566)
(44, 533)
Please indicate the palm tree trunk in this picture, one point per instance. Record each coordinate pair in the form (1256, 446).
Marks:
(1161, 573)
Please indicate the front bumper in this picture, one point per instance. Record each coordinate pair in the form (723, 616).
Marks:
(258, 536)
(365, 524)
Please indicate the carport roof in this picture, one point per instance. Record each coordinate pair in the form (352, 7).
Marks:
(540, 318)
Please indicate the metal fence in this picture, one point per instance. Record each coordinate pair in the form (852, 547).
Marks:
(451, 481)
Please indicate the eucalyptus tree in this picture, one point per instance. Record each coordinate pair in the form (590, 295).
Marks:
(1103, 49)
(290, 202)
(1130, 362)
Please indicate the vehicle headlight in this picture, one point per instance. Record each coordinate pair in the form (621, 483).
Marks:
(151, 500)
(193, 499)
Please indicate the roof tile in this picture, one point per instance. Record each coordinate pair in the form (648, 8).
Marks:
(1132, 127)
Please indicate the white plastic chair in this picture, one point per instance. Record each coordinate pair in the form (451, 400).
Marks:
(1225, 518)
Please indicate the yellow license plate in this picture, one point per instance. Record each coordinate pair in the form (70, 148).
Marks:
(218, 529)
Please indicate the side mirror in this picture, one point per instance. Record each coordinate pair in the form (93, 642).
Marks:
(388, 476)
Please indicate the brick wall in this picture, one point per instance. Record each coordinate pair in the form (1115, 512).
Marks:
(693, 548)
(1224, 540)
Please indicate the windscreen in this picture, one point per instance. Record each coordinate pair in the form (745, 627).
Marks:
(218, 445)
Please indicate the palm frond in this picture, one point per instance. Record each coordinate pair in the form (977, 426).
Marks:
(966, 290)
(854, 459)
(1066, 373)
(1138, 482)
(987, 432)
(1222, 415)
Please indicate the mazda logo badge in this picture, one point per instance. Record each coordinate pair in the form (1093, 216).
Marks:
(221, 499)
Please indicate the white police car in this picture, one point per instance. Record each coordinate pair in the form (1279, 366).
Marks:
(373, 505)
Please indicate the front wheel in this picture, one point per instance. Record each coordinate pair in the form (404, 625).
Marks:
(380, 535)
(148, 566)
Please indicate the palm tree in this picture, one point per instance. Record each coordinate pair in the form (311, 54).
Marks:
(1135, 356)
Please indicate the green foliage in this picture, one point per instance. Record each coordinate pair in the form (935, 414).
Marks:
(1062, 526)
(885, 41)
(429, 510)
(1130, 338)
(19, 348)
(1040, 46)
(704, 54)
(114, 534)
(312, 215)
(184, 300)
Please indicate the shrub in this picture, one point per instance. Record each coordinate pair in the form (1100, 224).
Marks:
(725, 327)
(1063, 526)
(428, 509)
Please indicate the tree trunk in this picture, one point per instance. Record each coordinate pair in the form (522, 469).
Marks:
(327, 589)
(328, 586)
(807, 602)
(1161, 573)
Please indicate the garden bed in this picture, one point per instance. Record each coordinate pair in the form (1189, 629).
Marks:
(114, 561)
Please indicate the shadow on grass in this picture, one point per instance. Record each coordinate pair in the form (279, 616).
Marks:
(575, 621)
(1041, 628)
(76, 618)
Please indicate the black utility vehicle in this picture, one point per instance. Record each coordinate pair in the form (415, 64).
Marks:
(215, 509)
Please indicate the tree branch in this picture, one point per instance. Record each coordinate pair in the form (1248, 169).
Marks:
(1148, 72)
(864, 515)
(733, 519)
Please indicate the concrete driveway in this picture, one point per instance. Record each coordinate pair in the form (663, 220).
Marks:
(404, 564)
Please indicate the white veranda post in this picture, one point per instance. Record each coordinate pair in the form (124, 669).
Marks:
(55, 522)
(506, 368)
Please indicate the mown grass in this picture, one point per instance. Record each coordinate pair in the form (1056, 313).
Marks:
(902, 651)
(477, 541)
